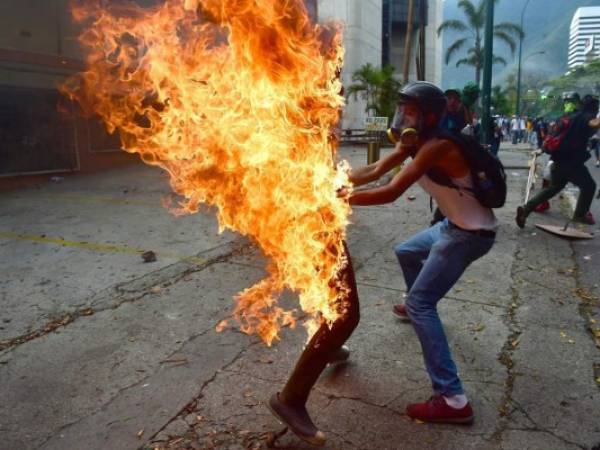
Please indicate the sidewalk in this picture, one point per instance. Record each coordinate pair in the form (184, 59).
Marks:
(139, 365)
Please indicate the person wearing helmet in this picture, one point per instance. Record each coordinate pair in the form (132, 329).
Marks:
(571, 102)
(433, 260)
(568, 161)
(454, 119)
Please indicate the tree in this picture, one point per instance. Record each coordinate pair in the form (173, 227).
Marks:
(506, 32)
(378, 87)
(533, 84)
(500, 101)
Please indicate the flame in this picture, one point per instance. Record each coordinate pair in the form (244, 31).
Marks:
(237, 100)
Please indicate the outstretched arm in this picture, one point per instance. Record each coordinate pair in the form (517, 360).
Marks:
(425, 159)
(372, 172)
(594, 123)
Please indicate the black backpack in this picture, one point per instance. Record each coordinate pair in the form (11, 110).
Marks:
(487, 172)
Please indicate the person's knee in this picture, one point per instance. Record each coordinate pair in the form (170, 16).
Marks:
(404, 254)
(348, 319)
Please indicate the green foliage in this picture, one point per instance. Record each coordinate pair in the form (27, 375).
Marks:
(543, 97)
(584, 79)
(470, 94)
(500, 101)
(506, 32)
(378, 87)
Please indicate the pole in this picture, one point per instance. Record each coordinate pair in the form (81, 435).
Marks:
(408, 40)
(59, 33)
(487, 70)
(518, 105)
(531, 176)
(422, 20)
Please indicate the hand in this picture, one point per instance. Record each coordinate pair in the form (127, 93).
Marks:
(343, 193)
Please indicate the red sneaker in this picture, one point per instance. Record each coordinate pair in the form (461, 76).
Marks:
(587, 219)
(542, 207)
(437, 410)
(400, 311)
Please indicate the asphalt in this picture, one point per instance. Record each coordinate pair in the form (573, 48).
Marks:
(99, 350)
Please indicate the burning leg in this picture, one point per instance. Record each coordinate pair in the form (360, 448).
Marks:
(289, 406)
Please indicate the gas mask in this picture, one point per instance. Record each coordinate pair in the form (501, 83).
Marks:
(569, 107)
(407, 121)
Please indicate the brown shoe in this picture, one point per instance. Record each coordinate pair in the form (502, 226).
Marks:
(296, 418)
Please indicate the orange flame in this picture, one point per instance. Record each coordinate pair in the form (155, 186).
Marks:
(237, 100)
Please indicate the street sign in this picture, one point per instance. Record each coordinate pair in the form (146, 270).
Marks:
(376, 124)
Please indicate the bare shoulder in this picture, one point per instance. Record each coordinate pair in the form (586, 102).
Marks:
(441, 147)
(447, 156)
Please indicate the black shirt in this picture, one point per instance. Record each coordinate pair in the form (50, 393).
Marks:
(573, 149)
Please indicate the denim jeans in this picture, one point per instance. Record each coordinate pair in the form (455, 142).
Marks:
(432, 261)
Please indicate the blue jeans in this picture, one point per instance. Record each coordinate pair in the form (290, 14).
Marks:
(432, 261)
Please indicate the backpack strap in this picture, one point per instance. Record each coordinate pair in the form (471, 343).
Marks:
(436, 175)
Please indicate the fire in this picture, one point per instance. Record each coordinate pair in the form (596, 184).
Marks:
(237, 100)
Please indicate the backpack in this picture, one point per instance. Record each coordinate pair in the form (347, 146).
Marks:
(553, 142)
(487, 172)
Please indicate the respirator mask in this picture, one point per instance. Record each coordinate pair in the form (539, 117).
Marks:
(407, 122)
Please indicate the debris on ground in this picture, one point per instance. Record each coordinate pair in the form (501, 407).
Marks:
(149, 256)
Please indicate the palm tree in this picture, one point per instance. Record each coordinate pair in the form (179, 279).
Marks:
(506, 32)
(377, 87)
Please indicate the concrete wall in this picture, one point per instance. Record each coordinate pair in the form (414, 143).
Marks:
(362, 41)
(434, 47)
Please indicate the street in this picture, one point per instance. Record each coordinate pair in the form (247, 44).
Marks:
(100, 350)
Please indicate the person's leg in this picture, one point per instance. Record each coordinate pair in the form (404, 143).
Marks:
(289, 405)
(412, 253)
(495, 146)
(580, 177)
(450, 255)
(558, 181)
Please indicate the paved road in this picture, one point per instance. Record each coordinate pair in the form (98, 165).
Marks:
(103, 351)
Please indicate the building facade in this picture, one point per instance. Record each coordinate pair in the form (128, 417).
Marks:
(362, 21)
(375, 33)
(584, 37)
